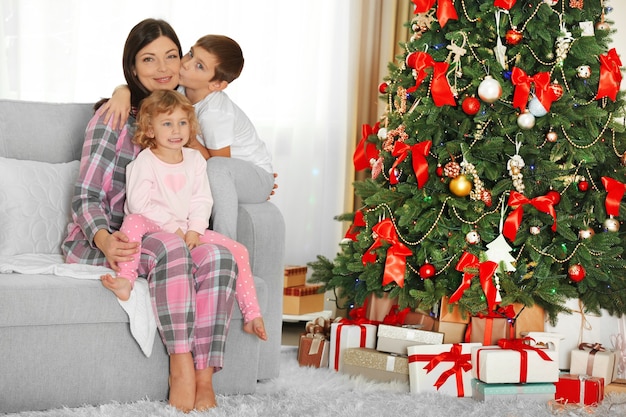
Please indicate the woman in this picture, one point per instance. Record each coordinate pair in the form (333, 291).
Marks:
(192, 291)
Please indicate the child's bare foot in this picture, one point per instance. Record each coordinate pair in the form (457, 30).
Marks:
(182, 382)
(121, 287)
(205, 396)
(256, 326)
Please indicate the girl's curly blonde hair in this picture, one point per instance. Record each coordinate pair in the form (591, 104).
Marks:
(159, 102)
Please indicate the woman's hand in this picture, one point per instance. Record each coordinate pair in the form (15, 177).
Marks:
(117, 107)
(116, 247)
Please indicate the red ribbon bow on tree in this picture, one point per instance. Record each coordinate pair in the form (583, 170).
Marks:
(440, 87)
(610, 75)
(396, 317)
(365, 151)
(522, 81)
(615, 192)
(461, 363)
(419, 152)
(445, 10)
(357, 223)
(395, 264)
(505, 4)
(485, 271)
(544, 204)
(419, 61)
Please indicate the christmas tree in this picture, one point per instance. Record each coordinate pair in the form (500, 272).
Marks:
(497, 169)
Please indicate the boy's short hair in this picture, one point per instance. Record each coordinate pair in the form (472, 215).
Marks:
(228, 54)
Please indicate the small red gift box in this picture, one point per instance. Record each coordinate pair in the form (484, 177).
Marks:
(579, 389)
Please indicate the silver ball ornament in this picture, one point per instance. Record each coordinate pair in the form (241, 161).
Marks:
(536, 108)
(489, 90)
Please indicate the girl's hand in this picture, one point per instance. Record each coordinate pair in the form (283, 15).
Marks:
(117, 107)
(116, 247)
(192, 239)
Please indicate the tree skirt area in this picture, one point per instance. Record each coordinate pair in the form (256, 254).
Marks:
(301, 391)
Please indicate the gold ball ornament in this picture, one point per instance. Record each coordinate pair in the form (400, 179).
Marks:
(602, 25)
(587, 233)
(611, 224)
(460, 186)
(552, 136)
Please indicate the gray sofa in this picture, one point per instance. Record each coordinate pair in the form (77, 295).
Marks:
(66, 341)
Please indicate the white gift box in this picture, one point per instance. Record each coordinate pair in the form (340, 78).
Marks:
(493, 364)
(580, 327)
(396, 339)
(343, 336)
(593, 362)
(441, 368)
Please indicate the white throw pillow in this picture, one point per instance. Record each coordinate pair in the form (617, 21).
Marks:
(35, 200)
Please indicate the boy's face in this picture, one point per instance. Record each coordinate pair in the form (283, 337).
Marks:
(198, 69)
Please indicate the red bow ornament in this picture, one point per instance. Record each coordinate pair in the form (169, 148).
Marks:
(504, 4)
(395, 264)
(615, 192)
(610, 75)
(365, 151)
(445, 9)
(544, 204)
(419, 152)
(357, 223)
(419, 61)
(522, 83)
(440, 87)
(466, 264)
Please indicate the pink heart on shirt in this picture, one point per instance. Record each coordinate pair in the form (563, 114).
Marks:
(175, 182)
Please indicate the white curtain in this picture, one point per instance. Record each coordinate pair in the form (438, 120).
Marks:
(296, 86)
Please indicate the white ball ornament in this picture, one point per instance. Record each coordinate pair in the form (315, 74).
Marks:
(583, 71)
(587, 233)
(382, 133)
(550, 2)
(536, 108)
(526, 120)
(472, 237)
(535, 230)
(611, 224)
(489, 90)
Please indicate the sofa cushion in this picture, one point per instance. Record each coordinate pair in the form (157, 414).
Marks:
(35, 205)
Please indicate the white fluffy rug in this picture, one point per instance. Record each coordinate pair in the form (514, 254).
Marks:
(311, 392)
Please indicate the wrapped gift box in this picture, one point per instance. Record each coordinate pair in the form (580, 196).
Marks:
(450, 313)
(303, 300)
(420, 318)
(295, 276)
(549, 340)
(522, 364)
(375, 365)
(395, 339)
(618, 385)
(488, 330)
(594, 360)
(452, 332)
(377, 308)
(442, 368)
(581, 326)
(313, 350)
(528, 319)
(538, 392)
(344, 335)
(579, 389)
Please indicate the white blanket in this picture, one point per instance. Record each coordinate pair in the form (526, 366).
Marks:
(138, 307)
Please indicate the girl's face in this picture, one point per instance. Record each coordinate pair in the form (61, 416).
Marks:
(157, 65)
(198, 69)
(170, 130)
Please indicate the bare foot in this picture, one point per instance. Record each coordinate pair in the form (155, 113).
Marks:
(256, 326)
(205, 396)
(182, 382)
(120, 286)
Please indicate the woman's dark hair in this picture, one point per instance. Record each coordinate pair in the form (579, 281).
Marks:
(141, 35)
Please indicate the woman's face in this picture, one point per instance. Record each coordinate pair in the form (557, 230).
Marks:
(157, 65)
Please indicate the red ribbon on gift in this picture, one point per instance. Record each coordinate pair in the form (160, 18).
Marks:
(419, 152)
(365, 151)
(357, 223)
(523, 347)
(505, 4)
(419, 61)
(358, 319)
(507, 313)
(461, 363)
(396, 317)
(440, 87)
(522, 83)
(485, 270)
(610, 75)
(615, 192)
(544, 204)
(395, 264)
(593, 349)
(445, 11)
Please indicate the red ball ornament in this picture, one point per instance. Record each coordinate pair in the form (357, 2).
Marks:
(427, 271)
(576, 272)
(554, 196)
(557, 89)
(439, 170)
(471, 105)
(513, 36)
(382, 88)
(583, 185)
